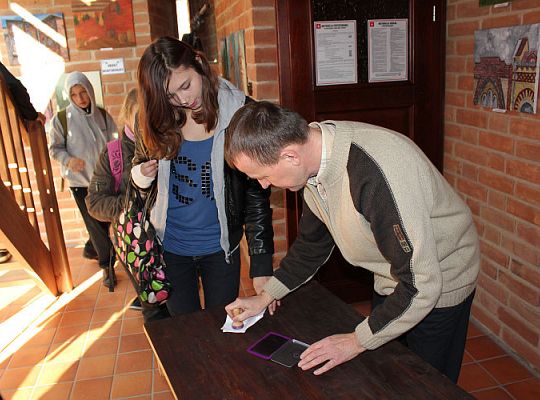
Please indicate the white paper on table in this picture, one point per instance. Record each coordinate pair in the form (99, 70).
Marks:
(227, 326)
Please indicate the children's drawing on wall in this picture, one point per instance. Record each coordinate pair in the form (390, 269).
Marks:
(233, 60)
(506, 68)
(103, 24)
(40, 30)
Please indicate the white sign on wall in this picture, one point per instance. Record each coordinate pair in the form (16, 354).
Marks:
(387, 50)
(335, 52)
(112, 66)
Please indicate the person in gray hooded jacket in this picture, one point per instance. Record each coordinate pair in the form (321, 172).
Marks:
(77, 150)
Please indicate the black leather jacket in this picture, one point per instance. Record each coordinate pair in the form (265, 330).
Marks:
(247, 206)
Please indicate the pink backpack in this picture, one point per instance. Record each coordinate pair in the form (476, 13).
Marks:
(114, 148)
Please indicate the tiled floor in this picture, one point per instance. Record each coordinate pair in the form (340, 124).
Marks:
(89, 345)
(487, 372)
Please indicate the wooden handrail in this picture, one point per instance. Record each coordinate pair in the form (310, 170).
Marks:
(19, 227)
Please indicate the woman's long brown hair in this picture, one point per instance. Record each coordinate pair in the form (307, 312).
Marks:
(161, 121)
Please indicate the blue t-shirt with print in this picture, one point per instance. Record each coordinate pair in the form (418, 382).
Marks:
(192, 221)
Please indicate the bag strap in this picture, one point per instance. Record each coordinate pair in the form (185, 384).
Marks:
(114, 148)
(104, 114)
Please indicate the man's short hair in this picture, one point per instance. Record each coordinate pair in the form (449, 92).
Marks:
(260, 130)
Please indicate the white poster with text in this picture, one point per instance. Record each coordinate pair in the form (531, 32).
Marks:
(335, 52)
(387, 50)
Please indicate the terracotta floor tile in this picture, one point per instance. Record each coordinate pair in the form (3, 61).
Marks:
(69, 350)
(105, 329)
(18, 394)
(59, 391)
(132, 326)
(5, 362)
(136, 342)
(506, 370)
(69, 333)
(79, 317)
(41, 338)
(29, 356)
(82, 302)
(164, 396)
(57, 372)
(19, 377)
(101, 347)
(92, 389)
(474, 331)
(96, 367)
(134, 361)
(134, 384)
(130, 314)
(107, 314)
(483, 347)
(51, 322)
(474, 377)
(525, 390)
(492, 394)
(107, 299)
(160, 383)
(467, 359)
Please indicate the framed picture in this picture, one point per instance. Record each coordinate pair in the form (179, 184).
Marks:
(21, 35)
(233, 60)
(103, 24)
(506, 68)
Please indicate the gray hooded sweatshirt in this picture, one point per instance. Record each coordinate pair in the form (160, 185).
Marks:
(87, 134)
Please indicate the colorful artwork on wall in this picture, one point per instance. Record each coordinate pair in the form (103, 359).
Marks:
(233, 60)
(103, 24)
(18, 30)
(506, 70)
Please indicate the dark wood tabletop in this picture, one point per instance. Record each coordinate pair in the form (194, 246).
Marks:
(201, 362)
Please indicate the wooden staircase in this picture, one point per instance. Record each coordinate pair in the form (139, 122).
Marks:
(27, 203)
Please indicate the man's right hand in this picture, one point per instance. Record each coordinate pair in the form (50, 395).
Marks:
(75, 164)
(149, 168)
(250, 306)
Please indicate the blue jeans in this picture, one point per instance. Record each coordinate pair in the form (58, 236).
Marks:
(220, 281)
(440, 337)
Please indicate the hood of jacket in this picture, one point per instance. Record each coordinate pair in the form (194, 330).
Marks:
(78, 78)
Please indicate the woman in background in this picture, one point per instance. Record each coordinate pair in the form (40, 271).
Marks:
(104, 202)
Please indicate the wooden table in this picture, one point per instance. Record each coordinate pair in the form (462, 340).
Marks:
(201, 362)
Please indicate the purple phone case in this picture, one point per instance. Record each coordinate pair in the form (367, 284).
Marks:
(266, 357)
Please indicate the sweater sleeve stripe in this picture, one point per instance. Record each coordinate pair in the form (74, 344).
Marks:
(373, 198)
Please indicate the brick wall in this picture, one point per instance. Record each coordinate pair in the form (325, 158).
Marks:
(114, 87)
(162, 16)
(493, 160)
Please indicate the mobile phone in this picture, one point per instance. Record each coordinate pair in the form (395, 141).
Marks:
(268, 345)
(289, 354)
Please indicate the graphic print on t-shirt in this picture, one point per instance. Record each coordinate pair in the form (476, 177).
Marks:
(192, 226)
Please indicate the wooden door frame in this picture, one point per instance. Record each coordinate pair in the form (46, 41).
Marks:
(296, 79)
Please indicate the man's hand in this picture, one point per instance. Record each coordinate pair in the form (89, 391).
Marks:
(149, 168)
(258, 284)
(333, 350)
(76, 164)
(250, 306)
